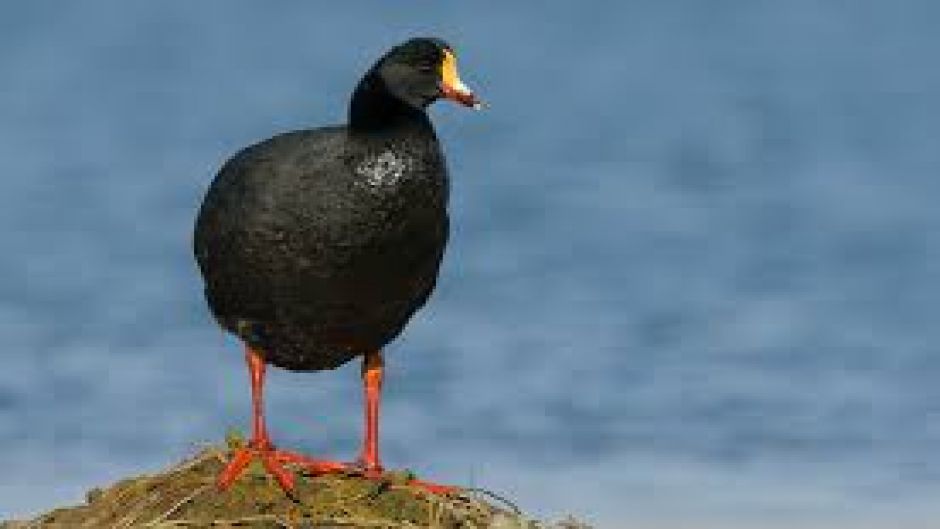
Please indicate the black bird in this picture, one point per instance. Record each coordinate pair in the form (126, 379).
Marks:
(317, 246)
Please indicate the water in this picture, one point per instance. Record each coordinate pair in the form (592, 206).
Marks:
(692, 280)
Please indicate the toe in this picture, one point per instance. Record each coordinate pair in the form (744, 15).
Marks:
(433, 488)
(283, 477)
(235, 467)
(314, 466)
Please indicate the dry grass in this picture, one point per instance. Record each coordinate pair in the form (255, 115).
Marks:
(185, 496)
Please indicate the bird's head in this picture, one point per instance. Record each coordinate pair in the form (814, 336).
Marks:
(422, 70)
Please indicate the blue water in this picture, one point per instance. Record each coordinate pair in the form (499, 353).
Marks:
(693, 280)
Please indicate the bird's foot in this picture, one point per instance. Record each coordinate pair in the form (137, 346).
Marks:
(365, 468)
(373, 470)
(273, 462)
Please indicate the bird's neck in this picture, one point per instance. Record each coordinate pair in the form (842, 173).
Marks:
(374, 109)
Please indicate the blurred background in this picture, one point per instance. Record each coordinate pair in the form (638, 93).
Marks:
(693, 281)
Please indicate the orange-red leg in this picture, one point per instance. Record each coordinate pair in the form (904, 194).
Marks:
(260, 445)
(373, 366)
(273, 460)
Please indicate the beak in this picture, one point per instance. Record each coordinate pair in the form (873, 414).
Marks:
(452, 87)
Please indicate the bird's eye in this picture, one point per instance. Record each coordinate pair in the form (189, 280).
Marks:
(426, 66)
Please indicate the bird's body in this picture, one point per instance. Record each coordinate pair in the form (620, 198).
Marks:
(318, 246)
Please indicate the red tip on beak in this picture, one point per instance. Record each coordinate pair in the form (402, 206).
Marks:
(462, 96)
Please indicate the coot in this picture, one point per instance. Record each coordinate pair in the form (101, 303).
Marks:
(317, 246)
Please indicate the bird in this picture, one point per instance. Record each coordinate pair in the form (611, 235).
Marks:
(317, 246)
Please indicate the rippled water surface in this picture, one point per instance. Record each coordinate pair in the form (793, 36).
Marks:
(694, 277)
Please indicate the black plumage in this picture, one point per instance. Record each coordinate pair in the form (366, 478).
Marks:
(317, 246)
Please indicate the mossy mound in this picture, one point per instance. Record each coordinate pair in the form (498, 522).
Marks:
(186, 496)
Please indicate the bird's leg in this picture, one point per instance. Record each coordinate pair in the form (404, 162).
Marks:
(273, 460)
(256, 372)
(373, 366)
(260, 445)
